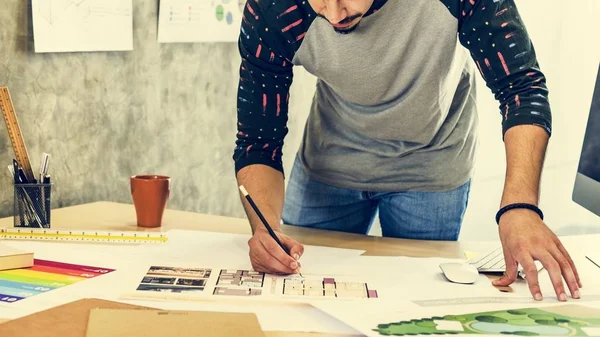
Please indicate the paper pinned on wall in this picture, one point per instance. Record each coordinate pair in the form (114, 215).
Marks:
(199, 20)
(82, 25)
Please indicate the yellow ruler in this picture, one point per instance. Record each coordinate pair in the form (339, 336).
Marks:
(90, 236)
(14, 133)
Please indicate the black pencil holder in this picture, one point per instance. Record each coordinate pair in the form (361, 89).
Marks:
(32, 205)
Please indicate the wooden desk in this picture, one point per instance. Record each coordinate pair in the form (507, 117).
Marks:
(121, 217)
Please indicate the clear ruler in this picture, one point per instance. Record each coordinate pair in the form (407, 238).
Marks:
(90, 236)
(14, 133)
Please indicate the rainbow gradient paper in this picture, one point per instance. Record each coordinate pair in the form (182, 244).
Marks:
(44, 276)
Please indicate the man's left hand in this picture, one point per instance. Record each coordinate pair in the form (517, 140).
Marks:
(526, 238)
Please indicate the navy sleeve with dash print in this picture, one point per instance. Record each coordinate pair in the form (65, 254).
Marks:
(495, 35)
(270, 35)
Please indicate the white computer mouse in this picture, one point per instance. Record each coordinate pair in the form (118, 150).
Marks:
(460, 272)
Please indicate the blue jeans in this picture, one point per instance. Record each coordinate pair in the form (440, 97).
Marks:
(410, 215)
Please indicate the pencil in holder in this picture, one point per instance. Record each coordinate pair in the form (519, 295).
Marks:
(32, 205)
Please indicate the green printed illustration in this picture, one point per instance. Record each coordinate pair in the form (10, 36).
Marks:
(567, 320)
(220, 12)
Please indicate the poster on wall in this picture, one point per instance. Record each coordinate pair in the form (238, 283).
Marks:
(82, 25)
(188, 21)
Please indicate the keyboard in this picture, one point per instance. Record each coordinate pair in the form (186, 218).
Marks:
(490, 262)
(493, 262)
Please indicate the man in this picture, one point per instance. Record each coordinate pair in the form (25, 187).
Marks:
(392, 128)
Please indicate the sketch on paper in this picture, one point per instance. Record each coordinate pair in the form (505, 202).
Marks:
(82, 25)
(200, 20)
(252, 283)
(202, 282)
(239, 283)
(326, 287)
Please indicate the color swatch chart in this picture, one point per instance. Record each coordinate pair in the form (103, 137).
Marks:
(43, 276)
(327, 287)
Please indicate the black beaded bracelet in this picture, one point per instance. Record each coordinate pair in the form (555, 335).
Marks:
(518, 205)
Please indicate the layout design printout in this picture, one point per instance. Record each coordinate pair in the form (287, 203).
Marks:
(174, 280)
(551, 321)
(82, 25)
(200, 20)
(329, 287)
(206, 282)
(44, 276)
(239, 283)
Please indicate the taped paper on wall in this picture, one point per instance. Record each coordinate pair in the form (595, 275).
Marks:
(82, 25)
(200, 20)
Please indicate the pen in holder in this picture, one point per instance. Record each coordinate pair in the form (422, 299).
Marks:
(32, 205)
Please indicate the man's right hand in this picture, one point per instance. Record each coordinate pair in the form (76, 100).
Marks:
(267, 257)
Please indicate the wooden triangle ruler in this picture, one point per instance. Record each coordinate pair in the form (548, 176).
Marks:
(14, 133)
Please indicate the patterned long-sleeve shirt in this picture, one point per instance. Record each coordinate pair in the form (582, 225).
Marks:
(394, 107)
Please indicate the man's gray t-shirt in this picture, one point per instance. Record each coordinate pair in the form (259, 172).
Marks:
(394, 107)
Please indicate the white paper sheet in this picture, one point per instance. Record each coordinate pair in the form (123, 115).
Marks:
(200, 20)
(367, 318)
(449, 294)
(185, 248)
(406, 278)
(393, 279)
(82, 25)
(272, 317)
(232, 250)
(409, 283)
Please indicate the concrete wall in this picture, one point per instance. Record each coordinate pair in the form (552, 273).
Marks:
(170, 109)
(161, 109)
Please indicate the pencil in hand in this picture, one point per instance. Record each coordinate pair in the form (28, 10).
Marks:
(265, 223)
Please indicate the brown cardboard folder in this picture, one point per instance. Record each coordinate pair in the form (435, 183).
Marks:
(156, 323)
(68, 320)
(71, 320)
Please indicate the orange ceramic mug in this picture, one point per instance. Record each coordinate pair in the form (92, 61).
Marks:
(150, 194)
